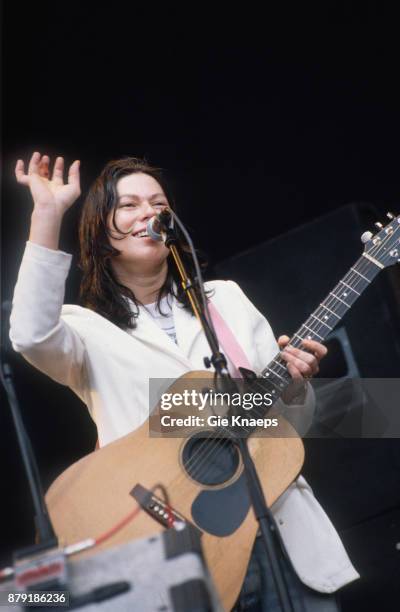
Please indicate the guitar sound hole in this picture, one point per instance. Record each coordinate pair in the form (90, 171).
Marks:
(210, 461)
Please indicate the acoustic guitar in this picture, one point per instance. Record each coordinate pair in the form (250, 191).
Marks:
(202, 472)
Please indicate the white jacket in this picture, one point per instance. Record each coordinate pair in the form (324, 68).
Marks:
(109, 369)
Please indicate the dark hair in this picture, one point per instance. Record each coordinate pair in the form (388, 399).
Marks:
(100, 290)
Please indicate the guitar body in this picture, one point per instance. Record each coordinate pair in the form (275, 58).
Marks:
(94, 494)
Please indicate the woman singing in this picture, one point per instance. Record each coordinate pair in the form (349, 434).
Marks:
(135, 323)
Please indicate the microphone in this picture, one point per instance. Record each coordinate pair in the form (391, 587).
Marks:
(158, 225)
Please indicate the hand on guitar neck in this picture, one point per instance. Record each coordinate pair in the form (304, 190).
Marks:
(302, 364)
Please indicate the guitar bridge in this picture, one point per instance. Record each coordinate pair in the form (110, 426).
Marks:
(157, 508)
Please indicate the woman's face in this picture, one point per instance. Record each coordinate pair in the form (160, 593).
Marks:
(140, 197)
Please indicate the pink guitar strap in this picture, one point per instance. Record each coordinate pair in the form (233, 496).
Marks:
(229, 344)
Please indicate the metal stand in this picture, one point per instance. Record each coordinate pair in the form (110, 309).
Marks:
(46, 537)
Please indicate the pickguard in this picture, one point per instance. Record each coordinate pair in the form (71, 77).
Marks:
(221, 512)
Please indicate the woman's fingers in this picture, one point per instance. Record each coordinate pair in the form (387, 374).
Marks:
(58, 170)
(48, 190)
(305, 364)
(309, 358)
(283, 341)
(20, 175)
(317, 348)
(34, 163)
(73, 175)
(305, 360)
(297, 376)
(300, 362)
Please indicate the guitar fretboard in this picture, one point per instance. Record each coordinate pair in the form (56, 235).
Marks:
(326, 317)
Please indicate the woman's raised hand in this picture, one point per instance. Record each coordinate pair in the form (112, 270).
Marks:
(49, 193)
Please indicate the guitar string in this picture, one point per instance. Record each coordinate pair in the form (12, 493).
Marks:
(331, 298)
(364, 266)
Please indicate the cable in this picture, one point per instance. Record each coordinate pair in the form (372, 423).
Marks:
(200, 281)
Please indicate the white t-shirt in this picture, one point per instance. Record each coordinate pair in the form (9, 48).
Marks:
(165, 320)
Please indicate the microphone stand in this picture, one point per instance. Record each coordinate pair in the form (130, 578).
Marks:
(217, 359)
(263, 514)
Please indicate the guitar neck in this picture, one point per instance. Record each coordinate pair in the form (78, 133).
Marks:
(327, 316)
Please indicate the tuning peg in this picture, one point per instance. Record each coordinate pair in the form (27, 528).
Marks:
(390, 215)
(378, 225)
(366, 236)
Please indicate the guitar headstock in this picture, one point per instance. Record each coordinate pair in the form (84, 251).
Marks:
(384, 246)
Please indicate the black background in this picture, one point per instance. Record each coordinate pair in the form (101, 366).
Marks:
(264, 120)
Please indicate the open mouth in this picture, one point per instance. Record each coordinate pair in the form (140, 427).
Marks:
(141, 234)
